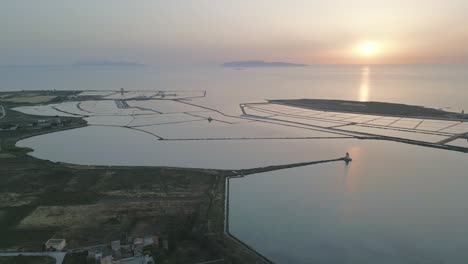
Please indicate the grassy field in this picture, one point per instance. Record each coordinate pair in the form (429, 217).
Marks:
(89, 205)
(30, 99)
(27, 260)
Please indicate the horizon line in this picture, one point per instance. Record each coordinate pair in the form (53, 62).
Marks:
(218, 64)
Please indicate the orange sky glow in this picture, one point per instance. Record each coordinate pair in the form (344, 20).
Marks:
(205, 31)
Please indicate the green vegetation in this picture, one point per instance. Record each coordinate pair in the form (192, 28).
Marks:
(27, 260)
(78, 258)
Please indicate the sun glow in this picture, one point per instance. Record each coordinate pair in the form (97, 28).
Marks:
(368, 49)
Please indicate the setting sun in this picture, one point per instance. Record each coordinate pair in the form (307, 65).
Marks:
(368, 48)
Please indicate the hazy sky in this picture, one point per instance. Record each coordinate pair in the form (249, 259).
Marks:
(214, 31)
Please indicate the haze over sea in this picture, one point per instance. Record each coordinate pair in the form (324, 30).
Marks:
(438, 86)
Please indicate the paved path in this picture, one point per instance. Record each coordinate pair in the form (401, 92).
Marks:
(2, 112)
(59, 256)
(211, 261)
(447, 140)
(245, 172)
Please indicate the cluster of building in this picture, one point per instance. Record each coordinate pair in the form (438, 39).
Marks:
(45, 123)
(132, 251)
(8, 127)
(36, 124)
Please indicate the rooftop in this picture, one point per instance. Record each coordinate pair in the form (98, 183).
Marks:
(55, 241)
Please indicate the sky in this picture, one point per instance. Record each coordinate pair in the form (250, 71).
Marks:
(173, 32)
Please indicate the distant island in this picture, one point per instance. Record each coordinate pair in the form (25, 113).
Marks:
(108, 63)
(258, 63)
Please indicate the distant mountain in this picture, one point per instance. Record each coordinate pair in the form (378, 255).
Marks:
(31, 65)
(108, 63)
(261, 64)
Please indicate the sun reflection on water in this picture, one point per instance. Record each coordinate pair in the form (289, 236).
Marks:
(352, 182)
(364, 88)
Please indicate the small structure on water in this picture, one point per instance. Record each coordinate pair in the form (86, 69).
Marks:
(347, 158)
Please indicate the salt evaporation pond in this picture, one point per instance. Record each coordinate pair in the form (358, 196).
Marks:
(96, 145)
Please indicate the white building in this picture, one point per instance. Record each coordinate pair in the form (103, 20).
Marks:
(115, 245)
(149, 240)
(57, 244)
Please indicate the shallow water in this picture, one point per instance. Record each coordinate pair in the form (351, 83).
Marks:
(121, 146)
(203, 129)
(394, 203)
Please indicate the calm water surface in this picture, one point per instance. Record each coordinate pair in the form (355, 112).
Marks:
(120, 146)
(392, 204)
(436, 86)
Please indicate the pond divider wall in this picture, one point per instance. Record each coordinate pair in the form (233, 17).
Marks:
(243, 173)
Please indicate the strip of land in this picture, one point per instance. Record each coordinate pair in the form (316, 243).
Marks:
(367, 120)
(372, 108)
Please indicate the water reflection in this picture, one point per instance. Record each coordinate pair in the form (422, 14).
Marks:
(364, 88)
(352, 183)
(388, 209)
(353, 171)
